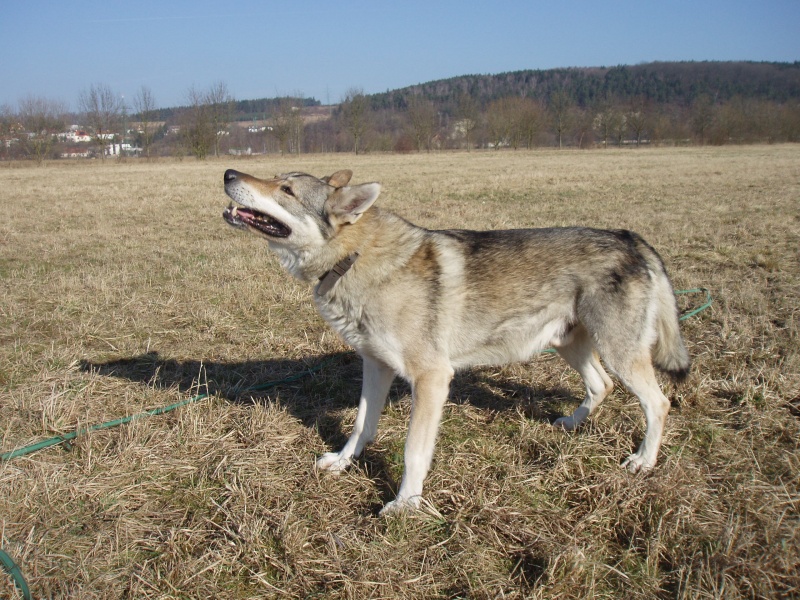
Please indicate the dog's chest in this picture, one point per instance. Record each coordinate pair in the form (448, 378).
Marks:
(346, 319)
(367, 335)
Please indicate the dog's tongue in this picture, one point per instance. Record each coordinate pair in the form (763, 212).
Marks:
(237, 212)
(246, 213)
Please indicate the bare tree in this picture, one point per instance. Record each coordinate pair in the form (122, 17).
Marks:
(8, 124)
(467, 115)
(582, 124)
(101, 107)
(620, 129)
(42, 120)
(500, 122)
(196, 127)
(422, 116)
(638, 118)
(529, 121)
(145, 105)
(220, 110)
(560, 108)
(206, 119)
(515, 120)
(608, 122)
(789, 121)
(280, 124)
(355, 112)
(702, 116)
(296, 128)
(287, 126)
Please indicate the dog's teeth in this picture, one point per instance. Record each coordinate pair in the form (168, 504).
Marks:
(234, 210)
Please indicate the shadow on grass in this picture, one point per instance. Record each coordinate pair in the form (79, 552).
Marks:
(332, 380)
(316, 389)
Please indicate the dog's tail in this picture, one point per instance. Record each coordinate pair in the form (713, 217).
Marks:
(669, 351)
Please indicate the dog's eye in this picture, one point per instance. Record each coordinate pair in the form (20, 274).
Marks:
(287, 190)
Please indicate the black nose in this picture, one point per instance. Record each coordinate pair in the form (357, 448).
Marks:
(230, 175)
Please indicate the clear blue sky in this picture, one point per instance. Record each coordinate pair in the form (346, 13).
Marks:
(322, 48)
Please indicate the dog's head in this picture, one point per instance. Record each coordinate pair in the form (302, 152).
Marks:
(296, 211)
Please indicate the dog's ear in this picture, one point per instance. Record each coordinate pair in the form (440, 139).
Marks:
(339, 179)
(347, 204)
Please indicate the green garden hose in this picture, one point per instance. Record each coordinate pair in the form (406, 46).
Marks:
(10, 567)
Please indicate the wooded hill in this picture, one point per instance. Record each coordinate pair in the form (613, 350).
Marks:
(663, 102)
(660, 83)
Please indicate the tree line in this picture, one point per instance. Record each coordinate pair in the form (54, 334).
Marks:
(659, 103)
(660, 83)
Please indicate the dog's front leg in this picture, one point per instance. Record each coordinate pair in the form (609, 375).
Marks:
(429, 395)
(377, 381)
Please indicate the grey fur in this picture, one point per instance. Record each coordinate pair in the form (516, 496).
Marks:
(421, 303)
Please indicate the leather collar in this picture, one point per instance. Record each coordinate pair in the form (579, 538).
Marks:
(329, 279)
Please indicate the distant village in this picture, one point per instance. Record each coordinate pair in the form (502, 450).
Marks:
(78, 142)
(75, 142)
(154, 138)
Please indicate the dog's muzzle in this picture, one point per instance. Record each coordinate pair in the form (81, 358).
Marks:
(243, 218)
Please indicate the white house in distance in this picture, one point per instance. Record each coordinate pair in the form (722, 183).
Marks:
(75, 135)
(78, 136)
(76, 152)
(118, 149)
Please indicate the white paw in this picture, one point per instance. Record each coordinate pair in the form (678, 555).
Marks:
(569, 423)
(401, 505)
(636, 463)
(333, 462)
(575, 420)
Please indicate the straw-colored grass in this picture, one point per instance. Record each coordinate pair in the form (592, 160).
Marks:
(122, 290)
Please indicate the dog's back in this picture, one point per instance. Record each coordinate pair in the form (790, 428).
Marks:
(499, 287)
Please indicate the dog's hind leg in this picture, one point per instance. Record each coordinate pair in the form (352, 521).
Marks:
(581, 356)
(622, 326)
(429, 395)
(377, 381)
(640, 379)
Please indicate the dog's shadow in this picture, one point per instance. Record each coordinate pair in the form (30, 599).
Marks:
(316, 389)
(314, 386)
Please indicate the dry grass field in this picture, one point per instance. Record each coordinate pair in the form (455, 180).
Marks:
(122, 290)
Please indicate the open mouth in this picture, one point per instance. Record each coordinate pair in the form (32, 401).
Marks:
(247, 217)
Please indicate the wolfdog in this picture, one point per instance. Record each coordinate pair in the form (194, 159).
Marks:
(420, 304)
